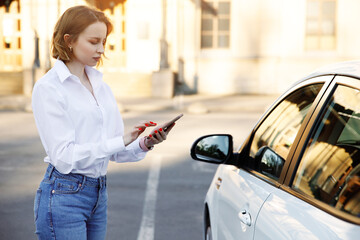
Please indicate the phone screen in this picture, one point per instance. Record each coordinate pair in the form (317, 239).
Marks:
(172, 122)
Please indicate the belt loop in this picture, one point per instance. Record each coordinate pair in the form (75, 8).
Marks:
(102, 181)
(83, 182)
(51, 170)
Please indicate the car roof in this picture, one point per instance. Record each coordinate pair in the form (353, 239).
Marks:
(349, 68)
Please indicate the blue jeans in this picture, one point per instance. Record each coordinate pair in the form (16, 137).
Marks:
(70, 206)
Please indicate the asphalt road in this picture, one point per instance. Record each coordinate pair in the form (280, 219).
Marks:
(160, 197)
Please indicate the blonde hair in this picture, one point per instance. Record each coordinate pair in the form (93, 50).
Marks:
(73, 21)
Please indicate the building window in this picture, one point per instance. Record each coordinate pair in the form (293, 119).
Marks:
(215, 24)
(116, 53)
(7, 43)
(123, 45)
(320, 25)
(10, 41)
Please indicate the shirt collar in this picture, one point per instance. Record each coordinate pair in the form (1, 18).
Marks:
(63, 72)
(94, 76)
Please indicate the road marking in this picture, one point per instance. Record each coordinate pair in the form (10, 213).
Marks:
(4, 168)
(147, 227)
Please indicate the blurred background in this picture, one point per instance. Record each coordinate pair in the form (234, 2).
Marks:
(221, 62)
(161, 48)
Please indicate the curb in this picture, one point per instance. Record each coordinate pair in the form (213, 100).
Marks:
(15, 103)
(192, 104)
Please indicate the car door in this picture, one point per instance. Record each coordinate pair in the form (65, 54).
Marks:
(243, 189)
(322, 199)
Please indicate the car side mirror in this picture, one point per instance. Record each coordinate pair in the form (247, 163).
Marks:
(269, 162)
(217, 148)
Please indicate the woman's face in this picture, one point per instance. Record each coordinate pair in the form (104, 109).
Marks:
(89, 46)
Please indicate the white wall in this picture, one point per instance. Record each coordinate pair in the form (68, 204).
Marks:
(347, 31)
(143, 54)
(267, 52)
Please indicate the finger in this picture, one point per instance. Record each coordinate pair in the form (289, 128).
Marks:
(142, 125)
(149, 123)
(152, 140)
(158, 136)
(140, 129)
(152, 123)
(145, 124)
(162, 133)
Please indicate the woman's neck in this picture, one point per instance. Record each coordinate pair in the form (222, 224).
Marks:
(76, 68)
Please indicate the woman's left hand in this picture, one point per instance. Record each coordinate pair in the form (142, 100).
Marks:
(157, 136)
(136, 131)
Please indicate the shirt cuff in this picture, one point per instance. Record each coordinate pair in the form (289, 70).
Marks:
(142, 145)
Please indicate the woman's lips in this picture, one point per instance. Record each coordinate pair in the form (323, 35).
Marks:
(97, 58)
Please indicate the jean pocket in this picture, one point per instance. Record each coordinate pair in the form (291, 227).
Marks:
(37, 203)
(65, 186)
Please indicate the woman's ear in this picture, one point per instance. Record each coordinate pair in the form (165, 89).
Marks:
(67, 38)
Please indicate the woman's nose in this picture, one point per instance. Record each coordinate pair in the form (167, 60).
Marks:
(101, 49)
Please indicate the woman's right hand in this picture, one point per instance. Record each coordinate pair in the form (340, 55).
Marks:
(136, 131)
(158, 135)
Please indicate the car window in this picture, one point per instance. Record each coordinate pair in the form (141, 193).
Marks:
(272, 140)
(330, 167)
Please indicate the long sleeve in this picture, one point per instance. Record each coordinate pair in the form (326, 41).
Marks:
(80, 131)
(132, 153)
(58, 133)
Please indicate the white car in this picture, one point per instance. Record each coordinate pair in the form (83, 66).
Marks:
(297, 175)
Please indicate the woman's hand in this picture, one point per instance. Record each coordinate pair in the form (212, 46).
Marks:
(157, 136)
(136, 131)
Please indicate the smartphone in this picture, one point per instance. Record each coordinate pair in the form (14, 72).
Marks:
(170, 123)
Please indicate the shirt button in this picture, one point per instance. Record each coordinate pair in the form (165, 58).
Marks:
(53, 191)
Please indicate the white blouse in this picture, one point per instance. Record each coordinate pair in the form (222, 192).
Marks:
(80, 133)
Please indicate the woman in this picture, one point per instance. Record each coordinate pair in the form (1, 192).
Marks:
(81, 130)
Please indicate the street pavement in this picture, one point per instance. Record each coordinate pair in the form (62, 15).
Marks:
(160, 197)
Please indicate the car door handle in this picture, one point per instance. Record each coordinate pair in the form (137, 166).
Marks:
(245, 217)
(218, 183)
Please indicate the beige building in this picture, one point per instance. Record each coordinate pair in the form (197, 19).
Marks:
(204, 46)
